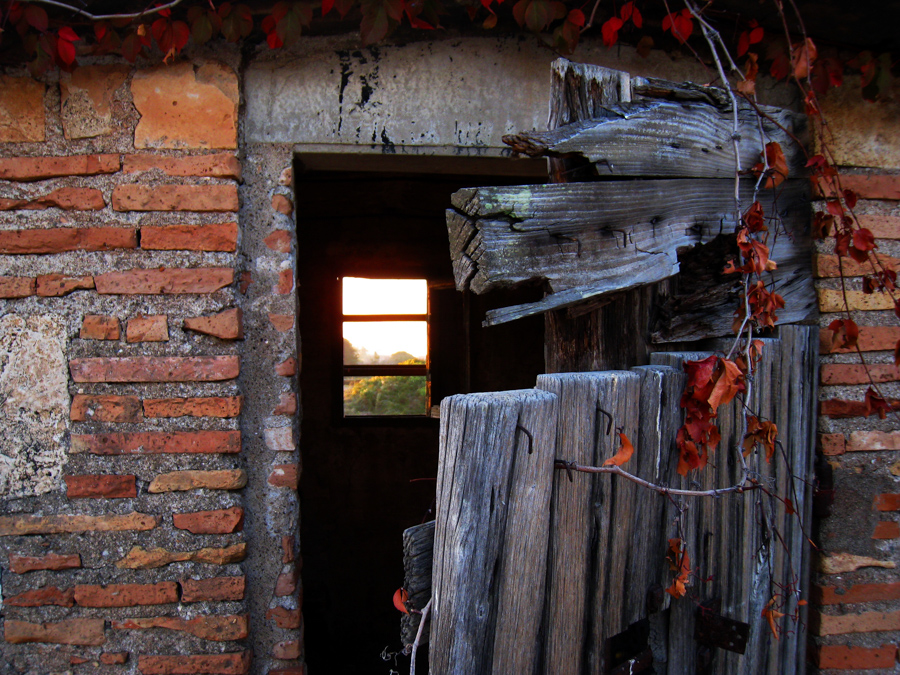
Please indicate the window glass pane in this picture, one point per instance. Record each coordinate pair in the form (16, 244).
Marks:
(384, 296)
(385, 342)
(385, 395)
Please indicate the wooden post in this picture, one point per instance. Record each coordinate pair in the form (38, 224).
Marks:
(491, 533)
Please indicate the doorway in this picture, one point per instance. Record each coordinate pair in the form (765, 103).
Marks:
(367, 478)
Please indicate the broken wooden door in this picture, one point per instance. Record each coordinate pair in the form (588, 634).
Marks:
(655, 197)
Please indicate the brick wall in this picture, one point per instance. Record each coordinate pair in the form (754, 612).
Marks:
(128, 301)
(856, 616)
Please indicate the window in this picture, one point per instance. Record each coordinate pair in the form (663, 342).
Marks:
(385, 347)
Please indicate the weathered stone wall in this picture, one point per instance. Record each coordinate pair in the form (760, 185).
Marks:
(857, 619)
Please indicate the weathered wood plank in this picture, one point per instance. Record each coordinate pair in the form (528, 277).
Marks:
(418, 550)
(664, 139)
(491, 532)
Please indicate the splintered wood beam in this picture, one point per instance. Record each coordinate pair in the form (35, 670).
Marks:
(666, 139)
(594, 238)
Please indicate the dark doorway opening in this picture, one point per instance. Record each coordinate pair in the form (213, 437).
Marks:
(365, 480)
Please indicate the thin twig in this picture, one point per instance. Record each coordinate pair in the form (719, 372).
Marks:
(744, 486)
(415, 647)
(104, 17)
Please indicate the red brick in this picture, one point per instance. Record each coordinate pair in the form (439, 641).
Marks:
(867, 441)
(286, 583)
(887, 529)
(282, 322)
(67, 199)
(207, 627)
(285, 475)
(871, 339)
(100, 487)
(235, 663)
(77, 660)
(286, 177)
(873, 187)
(164, 281)
(287, 368)
(88, 632)
(139, 558)
(22, 115)
(856, 373)
(155, 369)
(197, 479)
(887, 502)
(218, 589)
(57, 285)
(835, 595)
(203, 198)
(287, 549)
(142, 328)
(280, 439)
(846, 657)
(40, 597)
(114, 658)
(285, 282)
(157, 442)
(279, 240)
(220, 165)
(284, 618)
(246, 280)
(832, 444)
(220, 521)
(227, 325)
(840, 408)
(287, 405)
(97, 327)
(20, 564)
(210, 406)
(106, 408)
(213, 237)
(827, 266)
(882, 226)
(22, 525)
(282, 204)
(17, 287)
(863, 622)
(299, 670)
(61, 239)
(126, 595)
(41, 168)
(289, 649)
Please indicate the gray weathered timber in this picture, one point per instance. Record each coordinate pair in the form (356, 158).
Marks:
(665, 139)
(594, 238)
(418, 549)
(578, 91)
(491, 533)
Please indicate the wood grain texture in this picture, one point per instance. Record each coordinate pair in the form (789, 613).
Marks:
(655, 138)
(491, 532)
(418, 549)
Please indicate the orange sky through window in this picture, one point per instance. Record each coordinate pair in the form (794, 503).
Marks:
(386, 296)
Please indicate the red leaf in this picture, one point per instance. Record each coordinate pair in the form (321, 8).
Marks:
(626, 449)
(401, 597)
(66, 51)
(756, 35)
(66, 33)
(845, 333)
(834, 207)
(780, 67)
(864, 240)
(636, 18)
(326, 6)
(743, 43)
(850, 197)
(36, 17)
(576, 17)
(875, 403)
(610, 31)
(803, 55)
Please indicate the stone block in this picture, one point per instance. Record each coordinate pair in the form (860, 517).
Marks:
(86, 99)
